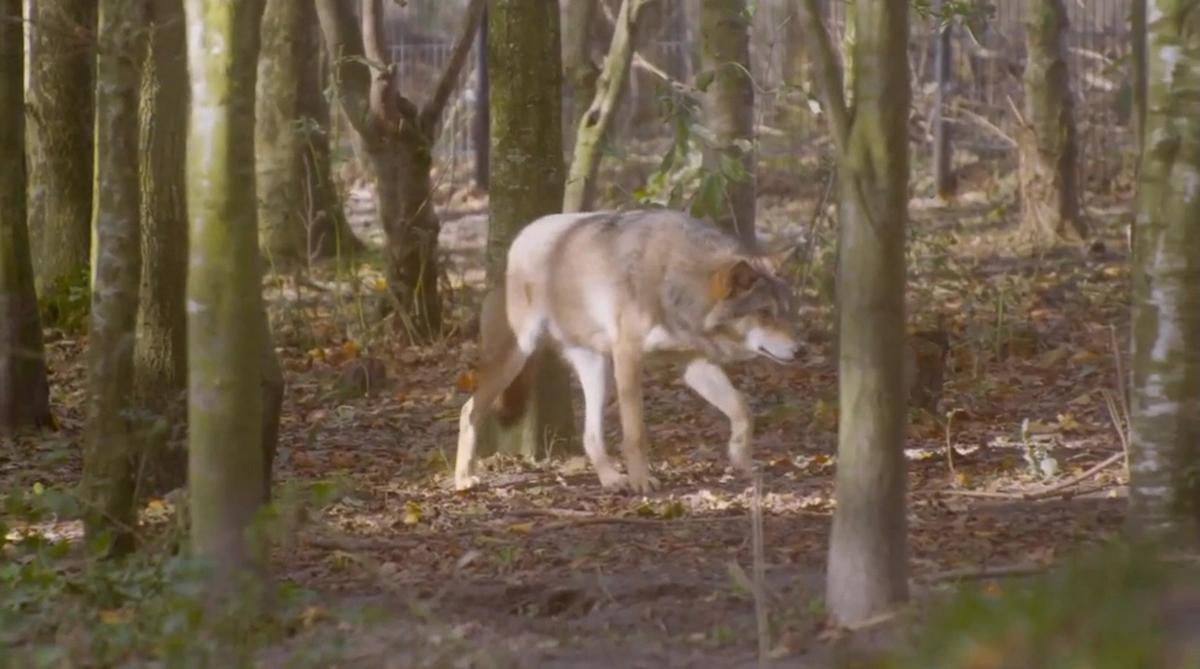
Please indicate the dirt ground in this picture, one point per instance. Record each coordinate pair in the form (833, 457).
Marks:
(540, 567)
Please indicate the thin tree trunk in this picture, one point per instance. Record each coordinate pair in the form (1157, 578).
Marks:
(480, 124)
(225, 366)
(1047, 144)
(1137, 73)
(24, 398)
(282, 234)
(160, 351)
(1164, 491)
(943, 174)
(398, 137)
(527, 173)
(328, 231)
(62, 92)
(868, 550)
(580, 192)
(108, 478)
(729, 108)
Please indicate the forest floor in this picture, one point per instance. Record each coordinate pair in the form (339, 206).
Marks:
(540, 567)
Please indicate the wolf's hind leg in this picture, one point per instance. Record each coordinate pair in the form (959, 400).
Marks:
(494, 379)
(592, 369)
(710, 382)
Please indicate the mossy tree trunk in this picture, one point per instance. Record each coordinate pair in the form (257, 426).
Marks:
(160, 351)
(398, 137)
(62, 92)
(1164, 489)
(281, 225)
(24, 399)
(1047, 143)
(226, 468)
(328, 231)
(729, 108)
(868, 552)
(527, 176)
(593, 124)
(108, 476)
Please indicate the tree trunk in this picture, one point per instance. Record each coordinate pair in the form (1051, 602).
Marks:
(943, 175)
(868, 550)
(328, 231)
(480, 124)
(160, 350)
(1047, 146)
(398, 136)
(108, 479)
(794, 71)
(526, 182)
(579, 70)
(580, 192)
(24, 398)
(62, 92)
(729, 108)
(225, 365)
(1164, 491)
(282, 234)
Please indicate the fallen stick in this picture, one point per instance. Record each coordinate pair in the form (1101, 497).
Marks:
(975, 573)
(1055, 490)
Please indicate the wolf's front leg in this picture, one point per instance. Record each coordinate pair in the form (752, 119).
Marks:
(710, 382)
(464, 459)
(627, 368)
(592, 369)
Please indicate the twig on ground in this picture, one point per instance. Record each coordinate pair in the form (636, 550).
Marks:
(1056, 490)
(973, 573)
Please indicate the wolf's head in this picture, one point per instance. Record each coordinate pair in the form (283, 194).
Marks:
(753, 312)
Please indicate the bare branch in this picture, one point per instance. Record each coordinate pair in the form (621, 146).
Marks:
(644, 64)
(372, 31)
(431, 114)
(827, 72)
(351, 76)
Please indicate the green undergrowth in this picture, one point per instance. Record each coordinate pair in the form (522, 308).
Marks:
(1108, 610)
(59, 607)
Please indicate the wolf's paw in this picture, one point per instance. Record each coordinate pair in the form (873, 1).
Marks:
(611, 478)
(465, 482)
(741, 462)
(642, 484)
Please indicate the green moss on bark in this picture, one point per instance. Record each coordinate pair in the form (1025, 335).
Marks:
(527, 176)
(108, 459)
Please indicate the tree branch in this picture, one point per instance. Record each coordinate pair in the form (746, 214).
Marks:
(372, 31)
(593, 126)
(351, 75)
(642, 63)
(431, 114)
(827, 72)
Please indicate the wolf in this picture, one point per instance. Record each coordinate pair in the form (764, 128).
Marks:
(609, 290)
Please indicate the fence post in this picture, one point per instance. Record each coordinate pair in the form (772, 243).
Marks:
(943, 177)
(482, 118)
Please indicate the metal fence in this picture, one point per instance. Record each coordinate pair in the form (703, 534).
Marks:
(983, 97)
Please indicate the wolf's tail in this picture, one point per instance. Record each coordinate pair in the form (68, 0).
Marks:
(498, 341)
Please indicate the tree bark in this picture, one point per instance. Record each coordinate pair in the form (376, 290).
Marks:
(1137, 68)
(62, 93)
(527, 178)
(868, 551)
(24, 393)
(729, 107)
(281, 226)
(108, 477)
(1164, 491)
(398, 137)
(226, 467)
(1047, 144)
(593, 125)
(328, 231)
(481, 122)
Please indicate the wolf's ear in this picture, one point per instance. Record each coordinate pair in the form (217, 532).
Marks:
(731, 280)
